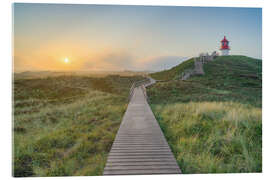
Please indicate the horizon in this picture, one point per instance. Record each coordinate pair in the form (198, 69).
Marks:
(99, 71)
(73, 37)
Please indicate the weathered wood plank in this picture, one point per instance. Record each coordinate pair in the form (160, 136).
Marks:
(140, 163)
(136, 172)
(139, 151)
(140, 160)
(140, 146)
(140, 167)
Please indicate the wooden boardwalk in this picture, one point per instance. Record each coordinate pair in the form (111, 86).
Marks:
(140, 146)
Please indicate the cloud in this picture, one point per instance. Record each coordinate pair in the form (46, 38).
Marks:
(161, 62)
(114, 60)
(21, 64)
(110, 61)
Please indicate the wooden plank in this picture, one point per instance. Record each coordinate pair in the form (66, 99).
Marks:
(141, 157)
(140, 167)
(140, 160)
(139, 153)
(140, 163)
(140, 146)
(137, 172)
(138, 150)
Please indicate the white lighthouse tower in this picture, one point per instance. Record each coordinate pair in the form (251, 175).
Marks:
(225, 48)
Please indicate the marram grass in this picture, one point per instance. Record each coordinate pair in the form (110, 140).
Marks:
(66, 140)
(213, 137)
(61, 130)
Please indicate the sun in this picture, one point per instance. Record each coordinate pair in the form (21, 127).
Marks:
(66, 60)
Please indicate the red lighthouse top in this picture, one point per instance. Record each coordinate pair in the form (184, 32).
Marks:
(224, 43)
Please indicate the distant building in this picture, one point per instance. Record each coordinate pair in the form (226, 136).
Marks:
(225, 48)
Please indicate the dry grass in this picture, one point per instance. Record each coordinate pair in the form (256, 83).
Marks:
(213, 137)
(60, 131)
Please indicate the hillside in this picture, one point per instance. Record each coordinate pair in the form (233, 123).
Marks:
(213, 123)
(231, 78)
(174, 72)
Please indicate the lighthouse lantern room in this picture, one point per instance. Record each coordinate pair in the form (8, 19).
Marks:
(224, 47)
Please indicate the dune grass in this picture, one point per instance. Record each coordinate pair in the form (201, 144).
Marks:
(65, 126)
(213, 137)
(213, 123)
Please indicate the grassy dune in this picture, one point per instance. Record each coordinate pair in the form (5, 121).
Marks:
(213, 137)
(66, 125)
(174, 72)
(213, 123)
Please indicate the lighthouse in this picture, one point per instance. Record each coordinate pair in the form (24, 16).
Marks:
(224, 47)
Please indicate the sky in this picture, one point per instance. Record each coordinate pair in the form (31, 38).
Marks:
(63, 37)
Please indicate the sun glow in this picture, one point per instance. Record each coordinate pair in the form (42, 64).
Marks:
(66, 60)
